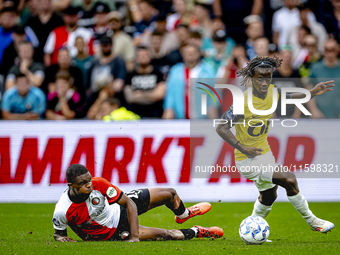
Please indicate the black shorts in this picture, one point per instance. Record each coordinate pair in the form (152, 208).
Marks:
(123, 229)
(141, 197)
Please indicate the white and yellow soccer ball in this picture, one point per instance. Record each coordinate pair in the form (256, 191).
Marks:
(254, 230)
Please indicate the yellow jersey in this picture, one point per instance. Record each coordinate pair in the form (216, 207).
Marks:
(121, 114)
(252, 130)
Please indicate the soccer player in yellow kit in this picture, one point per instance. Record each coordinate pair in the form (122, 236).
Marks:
(252, 151)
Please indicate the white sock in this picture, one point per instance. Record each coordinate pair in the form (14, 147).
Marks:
(301, 205)
(184, 215)
(196, 230)
(261, 209)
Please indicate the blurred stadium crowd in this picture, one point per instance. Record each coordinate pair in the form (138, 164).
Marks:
(132, 59)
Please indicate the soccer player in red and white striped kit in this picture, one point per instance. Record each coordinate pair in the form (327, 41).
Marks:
(96, 210)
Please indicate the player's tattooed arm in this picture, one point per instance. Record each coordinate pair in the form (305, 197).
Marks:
(61, 236)
(223, 130)
(131, 209)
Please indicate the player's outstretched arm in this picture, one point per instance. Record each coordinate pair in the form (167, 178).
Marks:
(318, 90)
(61, 236)
(131, 209)
(224, 131)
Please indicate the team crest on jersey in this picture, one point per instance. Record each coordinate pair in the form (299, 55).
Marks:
(111, 192)
(95, 200)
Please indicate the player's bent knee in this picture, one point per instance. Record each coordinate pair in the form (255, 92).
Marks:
(291, 182)
(171, 193)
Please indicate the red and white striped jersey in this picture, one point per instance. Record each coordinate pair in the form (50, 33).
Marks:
(97, 218)
(60, 37)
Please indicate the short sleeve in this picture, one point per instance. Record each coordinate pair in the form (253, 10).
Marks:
(59, 220)
(229, 115)
(111, 192)
(5, 103)
(50, 43)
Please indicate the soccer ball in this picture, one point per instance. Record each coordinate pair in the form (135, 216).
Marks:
(254, 230)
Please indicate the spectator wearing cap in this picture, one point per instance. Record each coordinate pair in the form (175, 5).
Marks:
(147, 23)
(34, 71)
(296, 40)
(109, 65)
(64, 64)
(23, 101)
(254, 30)
(145, 88)
(63, 103)
(65, 36)
(42, 25)
(122, 43)
(182, 98)
(7, 20)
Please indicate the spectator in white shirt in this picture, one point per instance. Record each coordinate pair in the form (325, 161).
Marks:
(285, 19)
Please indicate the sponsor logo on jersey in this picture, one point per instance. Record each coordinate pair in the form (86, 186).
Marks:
(111, 192)
(95, 200)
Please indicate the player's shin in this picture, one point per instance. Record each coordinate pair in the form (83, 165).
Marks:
(261, 209)
(301, 205)
(181, 212)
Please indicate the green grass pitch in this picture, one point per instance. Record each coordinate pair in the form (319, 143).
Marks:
(27, 229)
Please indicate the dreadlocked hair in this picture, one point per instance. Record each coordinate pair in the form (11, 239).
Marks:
(262, 62)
